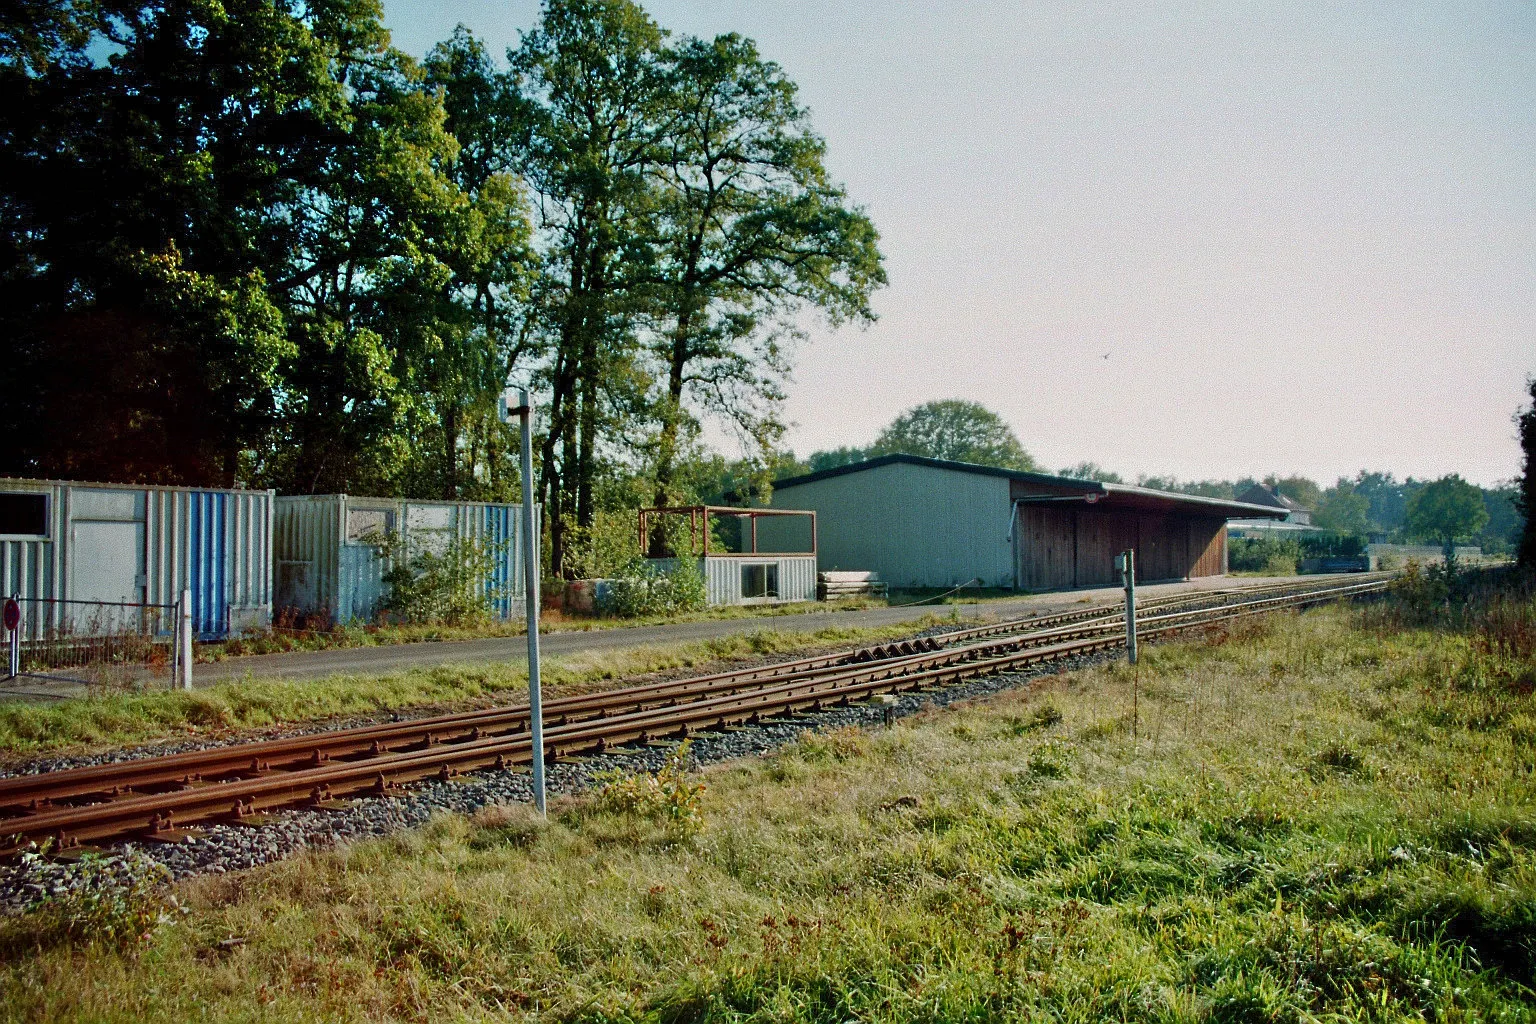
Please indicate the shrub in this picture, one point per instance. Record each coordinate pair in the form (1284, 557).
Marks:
(112, 901)
(1051, 760)
(642, 587)
(1273, 554)
(1280, 565)
(452, 586)
(667, 796)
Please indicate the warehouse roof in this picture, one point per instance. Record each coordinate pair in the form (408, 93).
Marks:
(1092, 491)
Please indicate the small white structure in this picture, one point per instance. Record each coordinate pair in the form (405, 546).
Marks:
(746, 555)
(327, 556)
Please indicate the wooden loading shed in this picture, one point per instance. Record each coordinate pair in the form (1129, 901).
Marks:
(922, 522)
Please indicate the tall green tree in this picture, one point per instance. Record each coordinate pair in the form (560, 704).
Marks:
(750, 231)
(1525, 422)
(590, 75)
(478, 326)
(1447, 510)
(1343, 509)
(219, 237)
(363, 255)
(957, 430)
(133, 193)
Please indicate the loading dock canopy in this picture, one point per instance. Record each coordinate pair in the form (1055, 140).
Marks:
(1145, 499)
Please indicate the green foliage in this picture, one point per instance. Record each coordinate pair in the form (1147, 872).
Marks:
(645, 587)
(116, 902)
(821, 460)
(1225, 489)
(1299, 489)
(667, 795)
(439, 579)
(1344, 510)
(1279, 555)
(751, 231)
(609, 547)
(1446, 510)
(1501, 534)
(1525, 422)
(1091, 471)
(956, 430)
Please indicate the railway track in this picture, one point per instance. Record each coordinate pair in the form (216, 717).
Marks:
(157, 797)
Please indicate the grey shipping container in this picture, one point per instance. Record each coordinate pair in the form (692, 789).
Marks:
(327, 563)
(68, 541)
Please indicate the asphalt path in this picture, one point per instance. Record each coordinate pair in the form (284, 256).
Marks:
(393, 659)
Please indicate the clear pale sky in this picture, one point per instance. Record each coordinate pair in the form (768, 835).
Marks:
(1303, 234)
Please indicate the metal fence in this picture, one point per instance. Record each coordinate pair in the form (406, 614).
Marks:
(70, 648)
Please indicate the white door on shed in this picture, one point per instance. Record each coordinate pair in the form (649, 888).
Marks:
(106, 565)
(107, 562)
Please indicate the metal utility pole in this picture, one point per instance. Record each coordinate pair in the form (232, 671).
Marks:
(518, 401)
(1126, 563)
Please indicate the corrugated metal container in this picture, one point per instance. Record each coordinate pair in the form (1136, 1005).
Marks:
(326, 562)
(137, 544)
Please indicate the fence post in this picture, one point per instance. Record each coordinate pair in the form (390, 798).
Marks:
(184, 638)
(13, 626)
(1126, 563)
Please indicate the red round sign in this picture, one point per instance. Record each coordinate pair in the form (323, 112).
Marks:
(12, 613)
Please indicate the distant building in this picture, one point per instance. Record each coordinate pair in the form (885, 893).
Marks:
(1297, 519)
(922, 522)
(1295, 514)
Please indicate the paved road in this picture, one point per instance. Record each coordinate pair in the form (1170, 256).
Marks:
(396, 658)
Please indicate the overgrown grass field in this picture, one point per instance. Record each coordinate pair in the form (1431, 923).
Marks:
(1316, 817)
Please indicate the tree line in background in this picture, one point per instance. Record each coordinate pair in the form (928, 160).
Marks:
(252, 242)
(1371, 505)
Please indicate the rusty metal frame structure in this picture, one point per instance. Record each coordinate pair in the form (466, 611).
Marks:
(698, 520)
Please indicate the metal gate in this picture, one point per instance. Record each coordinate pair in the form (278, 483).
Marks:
(68, 648)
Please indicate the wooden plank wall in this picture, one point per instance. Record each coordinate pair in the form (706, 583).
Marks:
(1048, 538)
(1062, 548)
(1208, 542)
